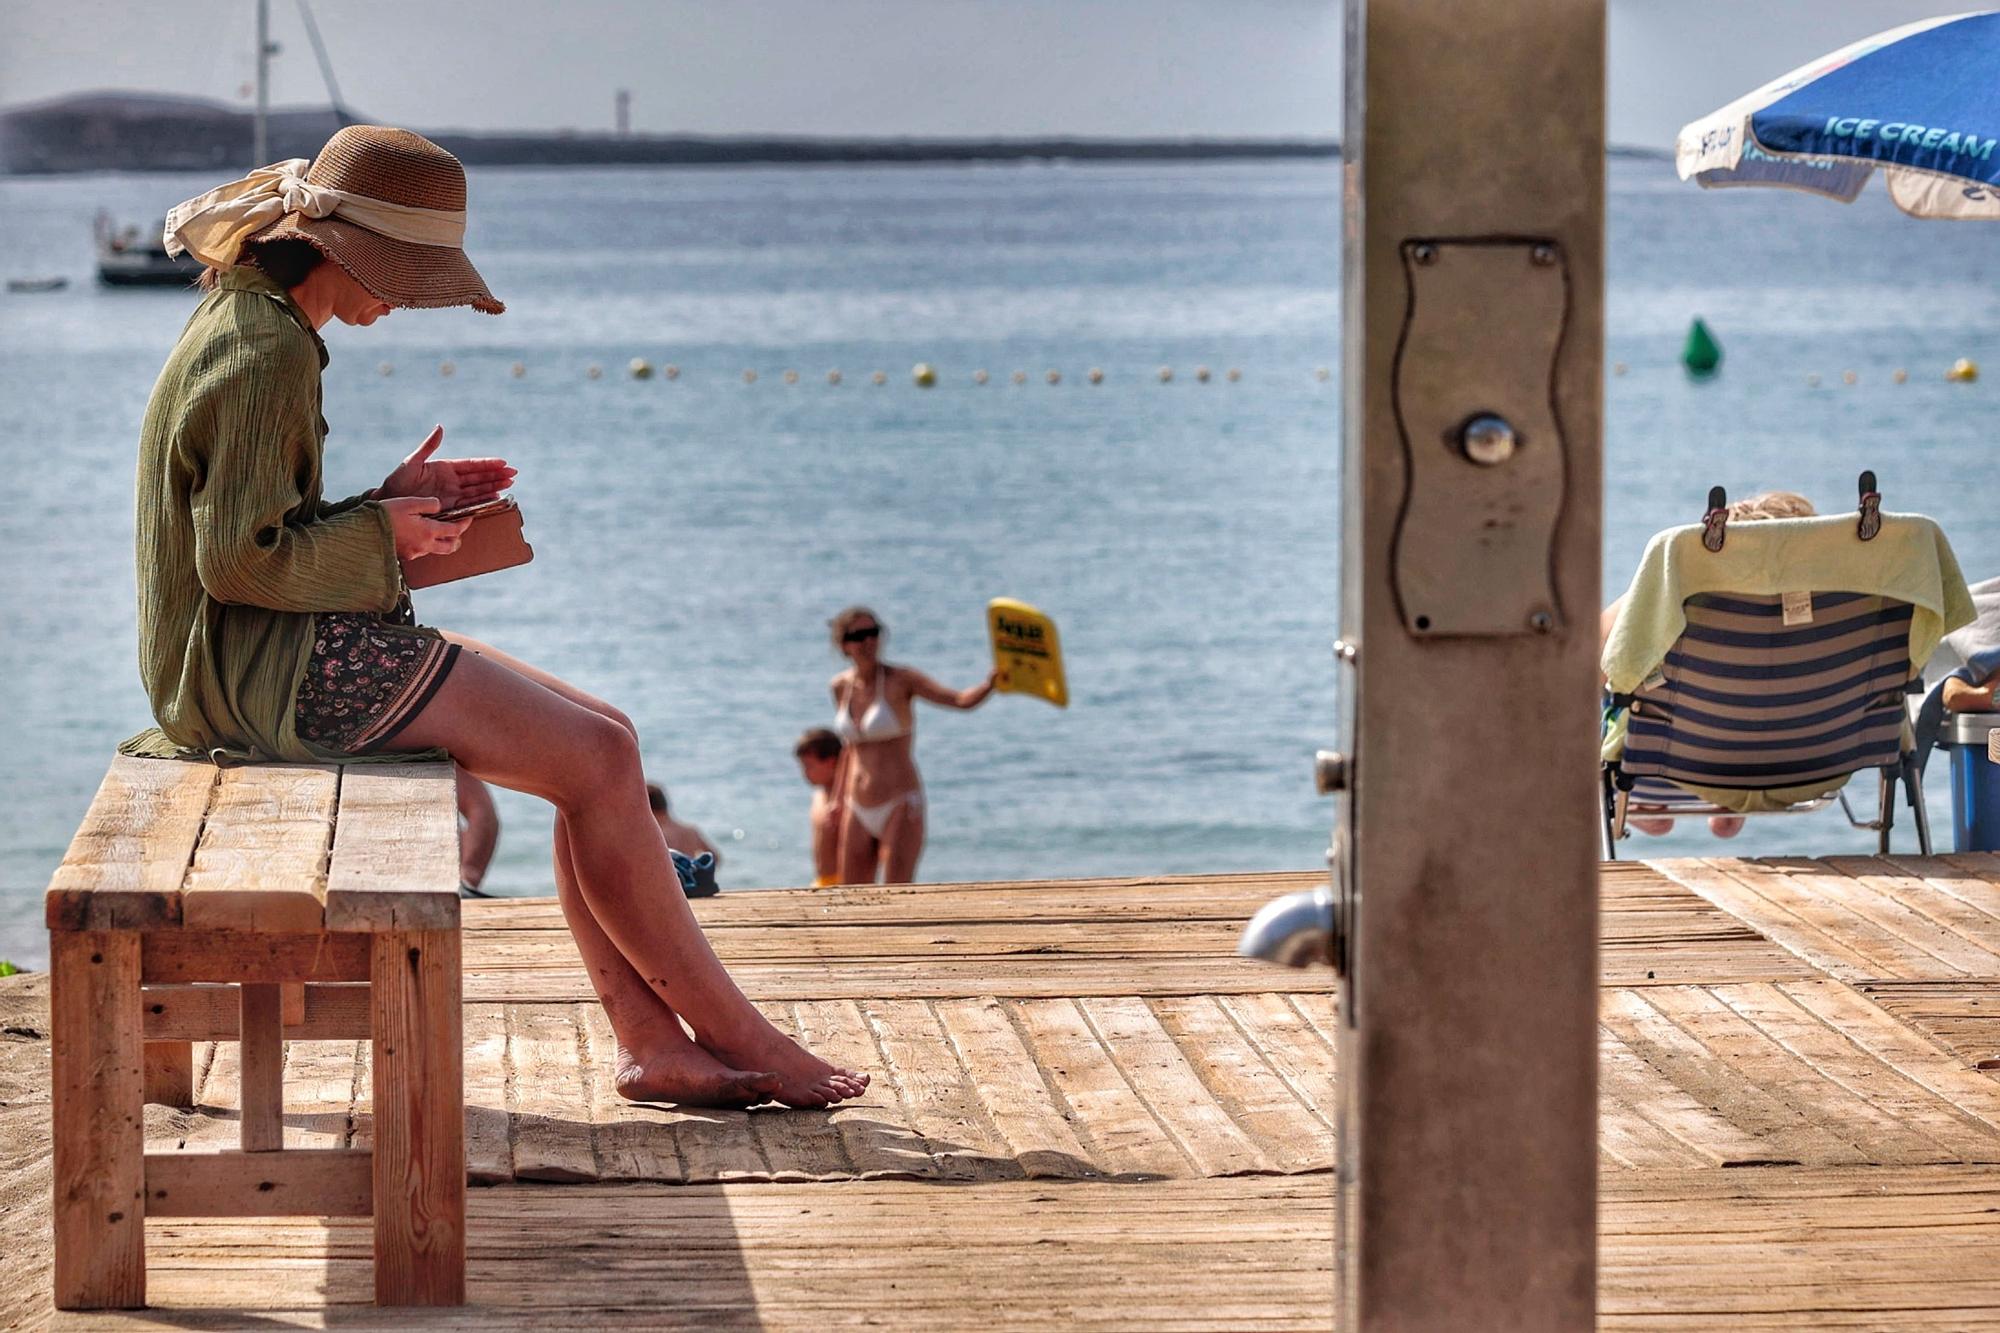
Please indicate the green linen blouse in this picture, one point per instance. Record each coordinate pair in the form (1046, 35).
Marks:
(236, 549)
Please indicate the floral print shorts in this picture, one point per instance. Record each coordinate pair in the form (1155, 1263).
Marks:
(367, 677)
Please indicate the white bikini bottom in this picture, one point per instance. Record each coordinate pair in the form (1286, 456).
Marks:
(875, 818)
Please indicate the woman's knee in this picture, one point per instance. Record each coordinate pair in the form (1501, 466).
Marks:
(604, 753)
(618, 716)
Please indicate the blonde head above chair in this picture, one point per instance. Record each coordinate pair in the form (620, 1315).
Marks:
(1772, 504)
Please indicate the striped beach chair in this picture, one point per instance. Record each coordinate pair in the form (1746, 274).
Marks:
(1745, 700)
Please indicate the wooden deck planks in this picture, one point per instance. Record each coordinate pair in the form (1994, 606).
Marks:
(1126, 1137)
(1963, 1016)
(1734, 1051)
(548, 1093)
(1860, 918)
(1253, 1254)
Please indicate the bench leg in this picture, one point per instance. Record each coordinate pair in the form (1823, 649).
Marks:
(419, 1119)
(98, 1097)
(170, 1073)
(262, 1053)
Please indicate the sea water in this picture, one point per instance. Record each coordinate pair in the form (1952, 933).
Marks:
(694, 534)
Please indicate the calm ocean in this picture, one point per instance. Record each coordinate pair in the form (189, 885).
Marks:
(693, 536)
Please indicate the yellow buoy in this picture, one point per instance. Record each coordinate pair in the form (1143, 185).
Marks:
(386, 368)
(671, 371)
(1026, 651)
(1963, 371)
(833, 377)
(1849, 377)
(1618, 367)
(923, 376)
(1166, 374)
(1019, 377)
(1899, 376)
(641, 368)
(979, 377)
(447, 369)
(879, 377)
(1201, 374)
(791, 377)
(749, 377)
(1054, 377)
(1322, 374)
(517, 370)
(1234, 375)
(1096, 376)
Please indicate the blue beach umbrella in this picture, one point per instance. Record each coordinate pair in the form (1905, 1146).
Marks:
(1919, 103)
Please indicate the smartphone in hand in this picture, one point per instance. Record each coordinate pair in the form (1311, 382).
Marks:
(492, 506)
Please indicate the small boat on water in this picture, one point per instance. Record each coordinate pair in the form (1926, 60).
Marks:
(36, 284)
(126, 257)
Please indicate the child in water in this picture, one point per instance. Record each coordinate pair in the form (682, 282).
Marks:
(818, 752)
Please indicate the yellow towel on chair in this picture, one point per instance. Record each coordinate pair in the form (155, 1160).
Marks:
(1909, 560)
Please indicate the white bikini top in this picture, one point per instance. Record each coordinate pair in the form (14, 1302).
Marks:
(879, 723)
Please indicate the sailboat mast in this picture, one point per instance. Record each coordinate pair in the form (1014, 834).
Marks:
(260, 145)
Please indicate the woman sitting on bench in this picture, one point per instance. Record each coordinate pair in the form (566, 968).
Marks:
(274, 625)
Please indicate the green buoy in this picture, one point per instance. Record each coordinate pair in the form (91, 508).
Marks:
(1701, 354)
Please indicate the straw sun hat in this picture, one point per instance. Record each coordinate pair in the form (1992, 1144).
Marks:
(387, 205)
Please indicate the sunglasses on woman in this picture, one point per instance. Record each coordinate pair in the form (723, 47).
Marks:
(863, 634)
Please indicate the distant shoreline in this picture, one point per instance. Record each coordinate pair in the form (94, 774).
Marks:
(140, 133)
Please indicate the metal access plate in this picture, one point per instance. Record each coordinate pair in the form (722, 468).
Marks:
(1474, 542)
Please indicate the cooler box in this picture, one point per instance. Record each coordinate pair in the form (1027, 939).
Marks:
(1974, 742)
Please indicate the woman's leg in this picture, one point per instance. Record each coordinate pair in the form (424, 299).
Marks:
(903, 841)
(860, 853)
(656, 1061)
(509, 729)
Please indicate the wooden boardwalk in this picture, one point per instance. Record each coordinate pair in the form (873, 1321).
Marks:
(1088, 1112)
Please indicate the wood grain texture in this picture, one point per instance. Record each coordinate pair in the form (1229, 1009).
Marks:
(183, 956)
(261, 862)
(419, 1119)
(1728, 1071)
(324, 1182)
(210, 1013)
(125, 867)
(97, 1110)
(169, 1072)
(395, 849)
(261, 1057)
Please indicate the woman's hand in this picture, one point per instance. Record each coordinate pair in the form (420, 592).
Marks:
(418, 535)
(451, 481)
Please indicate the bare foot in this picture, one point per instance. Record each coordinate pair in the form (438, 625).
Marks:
(1725, 826)
(1655, 828)
(805, 1081)
(689, 1076)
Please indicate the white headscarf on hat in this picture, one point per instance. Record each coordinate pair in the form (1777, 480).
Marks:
(214, 226)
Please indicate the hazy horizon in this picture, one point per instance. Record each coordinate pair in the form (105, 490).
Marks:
(1255, 69)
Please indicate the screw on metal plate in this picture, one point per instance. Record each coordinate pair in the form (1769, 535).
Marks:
(1487, 439)
(1329, 772)
(1344, 650)
(1541, 622)
(1542, 255)
(1424, 253)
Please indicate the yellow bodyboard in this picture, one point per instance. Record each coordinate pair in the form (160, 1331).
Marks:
(1026, 651)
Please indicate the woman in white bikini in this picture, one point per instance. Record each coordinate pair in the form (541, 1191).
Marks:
(882, 831)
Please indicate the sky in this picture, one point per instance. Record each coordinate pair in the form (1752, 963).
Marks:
(1153, 68)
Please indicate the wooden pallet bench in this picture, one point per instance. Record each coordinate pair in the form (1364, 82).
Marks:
(257, 904)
